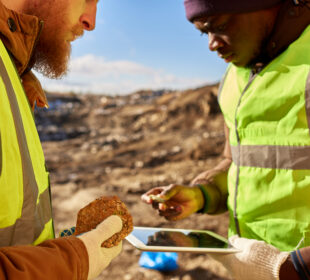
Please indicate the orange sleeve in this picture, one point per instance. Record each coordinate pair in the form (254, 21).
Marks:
(61, 258)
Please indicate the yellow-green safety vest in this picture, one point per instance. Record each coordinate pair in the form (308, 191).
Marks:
(268, 115)
(25, 202)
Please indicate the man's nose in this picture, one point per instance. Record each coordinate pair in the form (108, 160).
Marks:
(214, 42)
(88, 18)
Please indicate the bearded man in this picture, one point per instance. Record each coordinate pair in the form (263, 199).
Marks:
(36, 34)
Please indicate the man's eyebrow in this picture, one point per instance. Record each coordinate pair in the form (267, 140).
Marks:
(208, 25)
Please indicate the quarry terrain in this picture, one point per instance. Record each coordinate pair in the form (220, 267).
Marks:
(98, 145)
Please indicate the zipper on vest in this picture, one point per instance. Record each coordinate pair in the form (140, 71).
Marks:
(252, 77)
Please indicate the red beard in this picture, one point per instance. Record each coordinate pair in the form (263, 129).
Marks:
(52, 53)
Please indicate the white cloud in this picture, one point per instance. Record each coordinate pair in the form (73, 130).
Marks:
(94, 74)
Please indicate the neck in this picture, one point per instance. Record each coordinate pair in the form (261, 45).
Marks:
(268, 22)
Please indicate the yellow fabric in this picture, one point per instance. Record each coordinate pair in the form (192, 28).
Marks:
(270, 204)
(11, 174)
(11, 180)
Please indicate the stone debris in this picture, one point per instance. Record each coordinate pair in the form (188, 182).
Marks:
(98, 145)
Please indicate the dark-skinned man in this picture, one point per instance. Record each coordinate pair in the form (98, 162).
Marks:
(264, 178)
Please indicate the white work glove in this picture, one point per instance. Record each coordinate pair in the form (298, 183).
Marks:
(256, 260)
(99, 257)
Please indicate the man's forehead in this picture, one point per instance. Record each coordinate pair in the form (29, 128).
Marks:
(207, 19)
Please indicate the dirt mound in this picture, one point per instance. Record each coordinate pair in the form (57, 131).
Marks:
(101, 145)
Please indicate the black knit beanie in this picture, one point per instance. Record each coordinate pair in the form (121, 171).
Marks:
(199, 8)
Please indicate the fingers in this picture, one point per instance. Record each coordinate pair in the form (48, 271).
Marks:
(170, 191)
(243, 243)
(171, 212)
(155, 204)
(156, 198)
(159, 206)
(107, 228)
(147, 197)
(160, 194)
(233, 239)
(167, 200)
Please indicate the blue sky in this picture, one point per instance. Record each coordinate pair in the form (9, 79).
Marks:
(139, 44)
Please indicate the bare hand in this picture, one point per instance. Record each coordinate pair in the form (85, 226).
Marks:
(206, 177)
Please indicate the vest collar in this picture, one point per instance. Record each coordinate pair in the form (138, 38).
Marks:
(20, 33)
(292, 20)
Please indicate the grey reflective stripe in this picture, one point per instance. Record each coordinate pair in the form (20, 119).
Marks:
(13, 235)
(33, 217)
(276, 157)
(307, 100)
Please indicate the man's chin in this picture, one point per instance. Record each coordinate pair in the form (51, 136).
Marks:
(52, 70)
(242, 64)
(54, 65)
(51, 73)
(238, 63)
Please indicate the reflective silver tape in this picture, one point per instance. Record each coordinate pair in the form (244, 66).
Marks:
(33, 218)
(276, 157)
(13, 234)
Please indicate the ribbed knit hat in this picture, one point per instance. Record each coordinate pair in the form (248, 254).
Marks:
(199, 8)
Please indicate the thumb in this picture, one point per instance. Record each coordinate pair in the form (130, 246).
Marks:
(242, 243)
(170, 192)
(106, 229)
(232, 239)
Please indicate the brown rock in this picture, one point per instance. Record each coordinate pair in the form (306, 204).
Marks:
(95, 212)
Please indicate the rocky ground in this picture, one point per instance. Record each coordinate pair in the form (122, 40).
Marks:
(101, 145)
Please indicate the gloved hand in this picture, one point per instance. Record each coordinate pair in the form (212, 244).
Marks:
(99, 257)
(257, 260)
(174, 202)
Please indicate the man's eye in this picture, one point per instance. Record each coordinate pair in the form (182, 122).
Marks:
(204, 31)
(216, 29)
(221, 27)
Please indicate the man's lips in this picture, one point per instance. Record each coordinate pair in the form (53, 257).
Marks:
(227, 57)
(75, 35)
